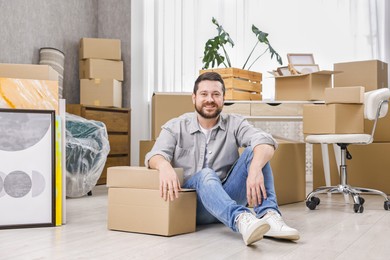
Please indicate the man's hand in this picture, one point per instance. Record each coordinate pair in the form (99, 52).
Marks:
(169, 183)
(255, 189)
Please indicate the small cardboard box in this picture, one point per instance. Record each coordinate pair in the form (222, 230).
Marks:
(304, 87)
(28, 71)
(166, 106)
(368, 168)
(371, 74)
(29, 94)
(101, 92)
(101, 69)
(333, 119)
(135, 205)
(344, 95)
(99, 48)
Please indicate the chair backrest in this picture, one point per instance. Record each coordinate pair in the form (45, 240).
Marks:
(374, 100)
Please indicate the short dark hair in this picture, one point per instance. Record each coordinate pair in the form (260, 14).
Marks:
(213, 76)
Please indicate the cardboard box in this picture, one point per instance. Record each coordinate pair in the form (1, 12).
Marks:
(305, 87)
(101, 69)
(99, 48)
(135, 205)
(28, 71)
(371, 74)
(368, 168)
(289, 170)
(136, 177)
(333, 119)
(29, 94)
(382, 131)
(288, 167)
(344, 95)
(144, 147)
(101, 92)
(166, 106)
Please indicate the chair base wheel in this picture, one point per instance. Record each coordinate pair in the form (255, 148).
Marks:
(312, 203)
(386, 205)
(358, 208)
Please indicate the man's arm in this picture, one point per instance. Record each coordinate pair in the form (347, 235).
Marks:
(255, 189)
(169, 183)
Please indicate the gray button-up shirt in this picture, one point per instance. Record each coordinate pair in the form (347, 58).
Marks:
(182, 143)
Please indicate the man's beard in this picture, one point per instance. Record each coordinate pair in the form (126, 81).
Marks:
(207, 115)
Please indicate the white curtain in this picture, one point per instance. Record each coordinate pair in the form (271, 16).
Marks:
(168, 37)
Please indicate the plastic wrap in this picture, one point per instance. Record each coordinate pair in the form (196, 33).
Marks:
(87, 148)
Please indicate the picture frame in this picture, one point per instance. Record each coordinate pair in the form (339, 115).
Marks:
(306, 68)
(27, 179)
(300, 58)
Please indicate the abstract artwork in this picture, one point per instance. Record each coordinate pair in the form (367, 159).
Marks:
(27, 168)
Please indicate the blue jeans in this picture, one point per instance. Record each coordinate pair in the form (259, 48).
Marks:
(223, 201)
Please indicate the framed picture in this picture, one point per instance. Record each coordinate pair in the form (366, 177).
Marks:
(300, 58)
(27, 168)
(306, 69)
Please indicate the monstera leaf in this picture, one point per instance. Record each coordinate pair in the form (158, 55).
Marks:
(212, 50)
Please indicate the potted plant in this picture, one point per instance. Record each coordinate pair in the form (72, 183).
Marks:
(240, 83)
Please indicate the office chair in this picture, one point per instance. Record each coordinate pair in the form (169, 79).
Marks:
(375, 107)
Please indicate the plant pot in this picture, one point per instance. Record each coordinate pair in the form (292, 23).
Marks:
(240, 84)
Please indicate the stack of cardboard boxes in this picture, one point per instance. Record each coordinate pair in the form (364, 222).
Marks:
(100, 72)
(370, 164)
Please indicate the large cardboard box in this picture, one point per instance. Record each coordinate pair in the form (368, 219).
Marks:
(28, 71)
(368, 168)
(166, 106)
(29, 94)
(288, 167)
(344, 95)
(382, 130)
(371, 74)
(101, 69)
(333, 119)
(99, 48)
(135, 205)
(304, 87)
(101, 92)
(289, 170)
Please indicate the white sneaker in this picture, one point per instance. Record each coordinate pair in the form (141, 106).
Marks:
(251, 228)
(279, 229)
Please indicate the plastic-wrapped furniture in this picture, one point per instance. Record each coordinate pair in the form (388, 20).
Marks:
(87, 148)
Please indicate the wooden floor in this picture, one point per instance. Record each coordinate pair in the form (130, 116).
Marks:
(332, 231)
